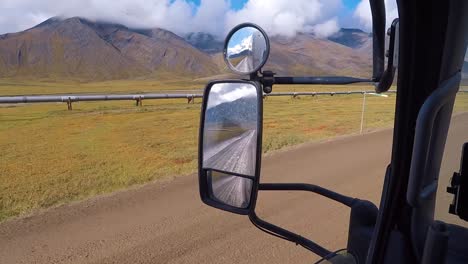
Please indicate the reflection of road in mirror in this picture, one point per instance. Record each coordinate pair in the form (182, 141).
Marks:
(230, 137)
(245, 65)
(246, 50)
(231, 190)
(235, 155)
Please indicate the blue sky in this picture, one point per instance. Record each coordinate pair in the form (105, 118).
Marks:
(235, 4)
(238, 4)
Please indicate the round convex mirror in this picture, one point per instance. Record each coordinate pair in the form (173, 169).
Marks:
(246, 48)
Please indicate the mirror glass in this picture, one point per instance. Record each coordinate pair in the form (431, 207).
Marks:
(229, 189)
(230, 141)
(247, 50)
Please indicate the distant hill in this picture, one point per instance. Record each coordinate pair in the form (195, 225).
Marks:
(205, 42)
(79, 48)
(241, 112)
(351, 37)
(306, 54)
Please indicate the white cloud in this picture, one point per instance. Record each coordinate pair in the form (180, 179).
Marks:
(245, 44)
(227, 92)
(178, 15)
(327, 28)
(285, 17)
(364, 16)
(277, 17)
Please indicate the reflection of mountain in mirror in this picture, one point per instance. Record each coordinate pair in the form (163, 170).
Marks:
(246, 50)
(240, 43)
(234, 104)
(229, 92)
(230, 128)
(240, 112)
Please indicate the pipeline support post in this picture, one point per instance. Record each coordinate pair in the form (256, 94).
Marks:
(139, 101)
(69, 104)
(190, 99)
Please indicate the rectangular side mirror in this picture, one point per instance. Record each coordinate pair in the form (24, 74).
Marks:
(230, 143)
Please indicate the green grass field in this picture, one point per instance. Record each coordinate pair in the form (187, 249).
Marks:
(51, 155)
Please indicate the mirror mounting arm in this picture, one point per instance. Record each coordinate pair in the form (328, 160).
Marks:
(288, 235)
(327, 80)
(267, 79)
(388, 75)
(343, 199)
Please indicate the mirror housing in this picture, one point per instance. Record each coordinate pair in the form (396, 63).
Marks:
(230, 145)
(246, 48)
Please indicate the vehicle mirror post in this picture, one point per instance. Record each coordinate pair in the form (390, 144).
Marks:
(386, 80)
(378, 38)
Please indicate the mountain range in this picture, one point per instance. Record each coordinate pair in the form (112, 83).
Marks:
(240, 112)
(77, 48)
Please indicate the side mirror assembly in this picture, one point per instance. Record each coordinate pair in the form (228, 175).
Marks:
(230, 138)
(392, 58)
(230, 145)
(246, 48)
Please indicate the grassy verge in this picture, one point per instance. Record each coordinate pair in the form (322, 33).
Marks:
(50, 155)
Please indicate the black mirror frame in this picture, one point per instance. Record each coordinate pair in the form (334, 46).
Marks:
(228, 37)
(378, 38)
(202, 175)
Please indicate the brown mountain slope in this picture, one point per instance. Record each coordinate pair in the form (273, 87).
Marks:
(158, 50)
(62, 49)
(307, 55)
(79, 49)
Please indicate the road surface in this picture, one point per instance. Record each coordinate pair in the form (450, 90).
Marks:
(233, 190)
(245, 65)
(165, 222)
(234, 155)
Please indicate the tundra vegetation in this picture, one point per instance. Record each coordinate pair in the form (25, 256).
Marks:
(52, 156)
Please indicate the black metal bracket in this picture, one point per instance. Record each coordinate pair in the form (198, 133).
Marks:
(459, 187)
(343, 199)
(388, 75)
(265, 78)
(268, 79)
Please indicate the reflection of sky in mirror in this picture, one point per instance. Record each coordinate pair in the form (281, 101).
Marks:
(241, 40)
(229, 92)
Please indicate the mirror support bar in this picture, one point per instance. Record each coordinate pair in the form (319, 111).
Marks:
(267, 79)
(288, 235)
(319, 80)
(348, 201)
